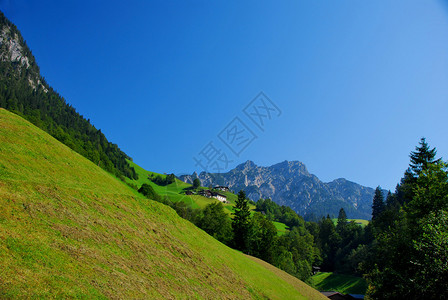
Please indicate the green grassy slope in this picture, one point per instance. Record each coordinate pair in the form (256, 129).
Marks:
(346, 284)
(69, 229)
(176, 191)
(281, 228)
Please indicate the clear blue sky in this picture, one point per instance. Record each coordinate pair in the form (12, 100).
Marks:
(358, 82)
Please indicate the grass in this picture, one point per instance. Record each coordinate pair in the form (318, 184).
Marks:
(174, 191)
(346, 284)
(361, 222)
(68, 229)
(281, 228)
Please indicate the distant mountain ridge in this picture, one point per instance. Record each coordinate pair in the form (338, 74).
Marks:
(289, 183)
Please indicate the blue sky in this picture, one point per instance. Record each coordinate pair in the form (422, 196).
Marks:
(358, 83)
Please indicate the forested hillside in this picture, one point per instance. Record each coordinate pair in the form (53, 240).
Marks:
(25, 92)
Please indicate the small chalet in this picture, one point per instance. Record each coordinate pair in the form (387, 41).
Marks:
(220, 197)
(221, 188)
(210, 194)
(205, 193)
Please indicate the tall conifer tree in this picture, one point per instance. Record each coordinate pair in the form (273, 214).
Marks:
(241, 222)
(378, 203)
(422, 157)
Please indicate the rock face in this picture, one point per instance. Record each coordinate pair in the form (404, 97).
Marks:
(289, 183)
(14, 50)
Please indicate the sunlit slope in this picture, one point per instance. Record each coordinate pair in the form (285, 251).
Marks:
(69, 229)
(176, 190)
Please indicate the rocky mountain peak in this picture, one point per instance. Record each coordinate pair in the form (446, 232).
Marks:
(246, 166)
(289, 183)
(14, 49)
(294, 166)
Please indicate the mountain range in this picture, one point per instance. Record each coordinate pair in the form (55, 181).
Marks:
(289, 183)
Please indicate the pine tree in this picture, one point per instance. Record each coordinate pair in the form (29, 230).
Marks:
(422, 157)
(329, 241)
(378, 203)
(342, 217)
(341, 227)
(430, 192)
(342, 221)
(390, 201)
(241, 223)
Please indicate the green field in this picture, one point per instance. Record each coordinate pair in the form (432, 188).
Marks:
(68, 229)
(175, 191)
(346, 284)
(361, 222)
(281, 228)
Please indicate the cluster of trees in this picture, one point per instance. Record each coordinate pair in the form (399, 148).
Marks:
(337, 247)
(162, 180)
(342, 245)
(24, 92)
(403, 252)
(275, 212)
(408, 255)
(255, 234)
(149, 192)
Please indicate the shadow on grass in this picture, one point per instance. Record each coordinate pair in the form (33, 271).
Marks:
(345, 284)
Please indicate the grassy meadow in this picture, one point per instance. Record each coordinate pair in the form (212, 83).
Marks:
(281, 228)
(68, 229)
(360, 222)
(346, 284)
(176, 192)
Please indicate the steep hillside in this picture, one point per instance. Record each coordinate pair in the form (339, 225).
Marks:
(24, 91)
(70, 229)
(289, 183)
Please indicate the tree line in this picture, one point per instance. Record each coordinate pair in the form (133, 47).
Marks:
(403, 252)
(162, 180)
(408, 254)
